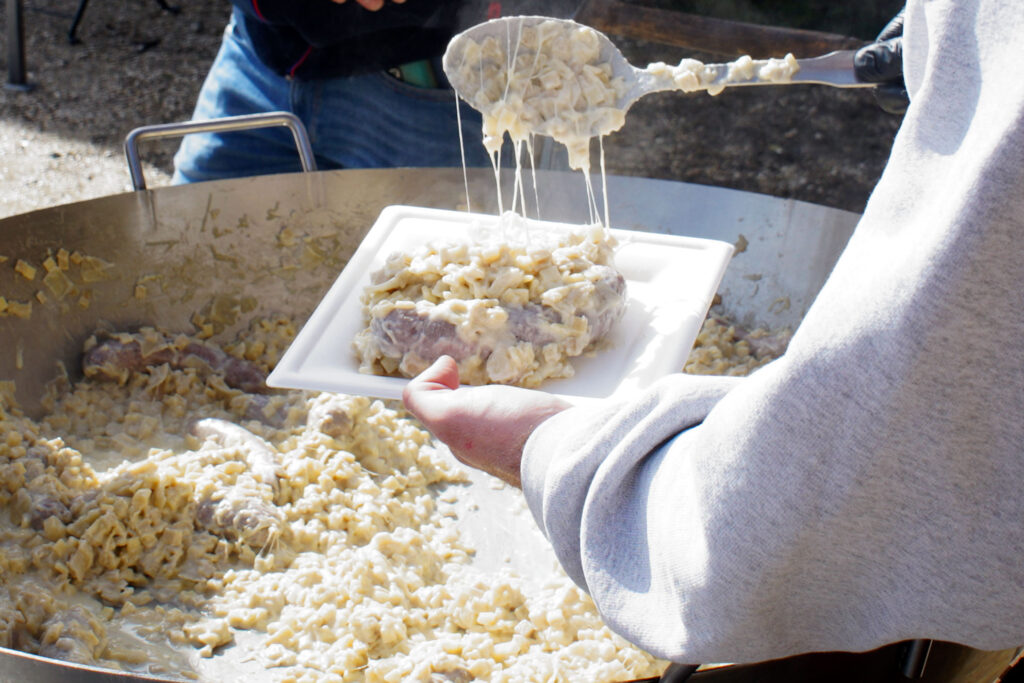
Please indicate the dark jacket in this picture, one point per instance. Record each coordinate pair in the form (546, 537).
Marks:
(322, 39)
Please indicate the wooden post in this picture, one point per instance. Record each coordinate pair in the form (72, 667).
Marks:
(706, 34)
(15, 48)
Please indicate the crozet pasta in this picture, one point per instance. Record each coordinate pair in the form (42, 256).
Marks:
(167, 506)
(509, 311)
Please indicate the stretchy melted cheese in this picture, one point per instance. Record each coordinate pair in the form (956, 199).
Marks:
(551, 78)
(546, 79)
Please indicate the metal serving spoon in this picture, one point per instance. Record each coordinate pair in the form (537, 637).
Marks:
(834, 69)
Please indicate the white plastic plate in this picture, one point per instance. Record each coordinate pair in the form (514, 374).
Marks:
(670, 282)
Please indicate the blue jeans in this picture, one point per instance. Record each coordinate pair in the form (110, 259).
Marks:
(366, 121)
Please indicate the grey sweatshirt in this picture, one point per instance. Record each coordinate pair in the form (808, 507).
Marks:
(866, 487)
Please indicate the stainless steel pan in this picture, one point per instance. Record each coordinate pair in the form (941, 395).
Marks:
(176, 251)
(230, 251)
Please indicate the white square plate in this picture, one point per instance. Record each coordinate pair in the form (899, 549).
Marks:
(670, 282)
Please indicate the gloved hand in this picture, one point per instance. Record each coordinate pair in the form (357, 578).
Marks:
(882, 62)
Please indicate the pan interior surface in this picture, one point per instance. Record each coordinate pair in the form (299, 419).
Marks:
(215, 261)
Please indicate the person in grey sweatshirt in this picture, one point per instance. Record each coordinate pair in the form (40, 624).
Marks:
(864, 488)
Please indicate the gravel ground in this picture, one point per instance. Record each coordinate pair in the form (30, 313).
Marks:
(137, 64)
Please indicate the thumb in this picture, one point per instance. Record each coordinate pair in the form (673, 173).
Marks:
(880, 62)
(442, 375)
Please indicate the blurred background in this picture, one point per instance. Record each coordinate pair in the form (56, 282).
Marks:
(137, 64)
(858, 19)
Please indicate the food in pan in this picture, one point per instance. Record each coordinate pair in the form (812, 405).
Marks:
(509, 311)
(159, 503)
(163, 508)
(724, 347)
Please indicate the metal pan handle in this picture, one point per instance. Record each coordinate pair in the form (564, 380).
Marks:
(230, 123)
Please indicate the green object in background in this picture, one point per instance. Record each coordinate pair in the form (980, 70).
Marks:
(420, 74)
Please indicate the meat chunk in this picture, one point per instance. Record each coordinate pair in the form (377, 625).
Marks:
(244, 509)
(236, 515)
(410, 331)
(260, 457)
(115, 358)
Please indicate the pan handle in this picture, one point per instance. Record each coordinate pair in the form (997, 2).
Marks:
(229, 123)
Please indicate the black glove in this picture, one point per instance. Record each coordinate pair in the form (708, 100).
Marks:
(882, 62)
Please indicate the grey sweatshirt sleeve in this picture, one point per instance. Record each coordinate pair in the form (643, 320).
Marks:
(863, 489)
(631, 430)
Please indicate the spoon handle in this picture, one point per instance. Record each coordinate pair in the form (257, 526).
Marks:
(834, 69)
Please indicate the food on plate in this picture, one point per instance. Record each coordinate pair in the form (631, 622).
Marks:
(508, 310)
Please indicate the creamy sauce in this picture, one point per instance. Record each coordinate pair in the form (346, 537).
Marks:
(364, 579)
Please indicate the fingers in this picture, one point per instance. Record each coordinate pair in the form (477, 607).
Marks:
(485, 427)
(894, 28)
(892, 98)
(442, 374)
(880, 62)
(421, 393)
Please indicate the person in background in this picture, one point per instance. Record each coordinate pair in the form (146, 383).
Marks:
(364, 76)
(861, 490)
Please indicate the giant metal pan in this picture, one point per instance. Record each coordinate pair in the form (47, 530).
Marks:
(234, 250)
(224, 246)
